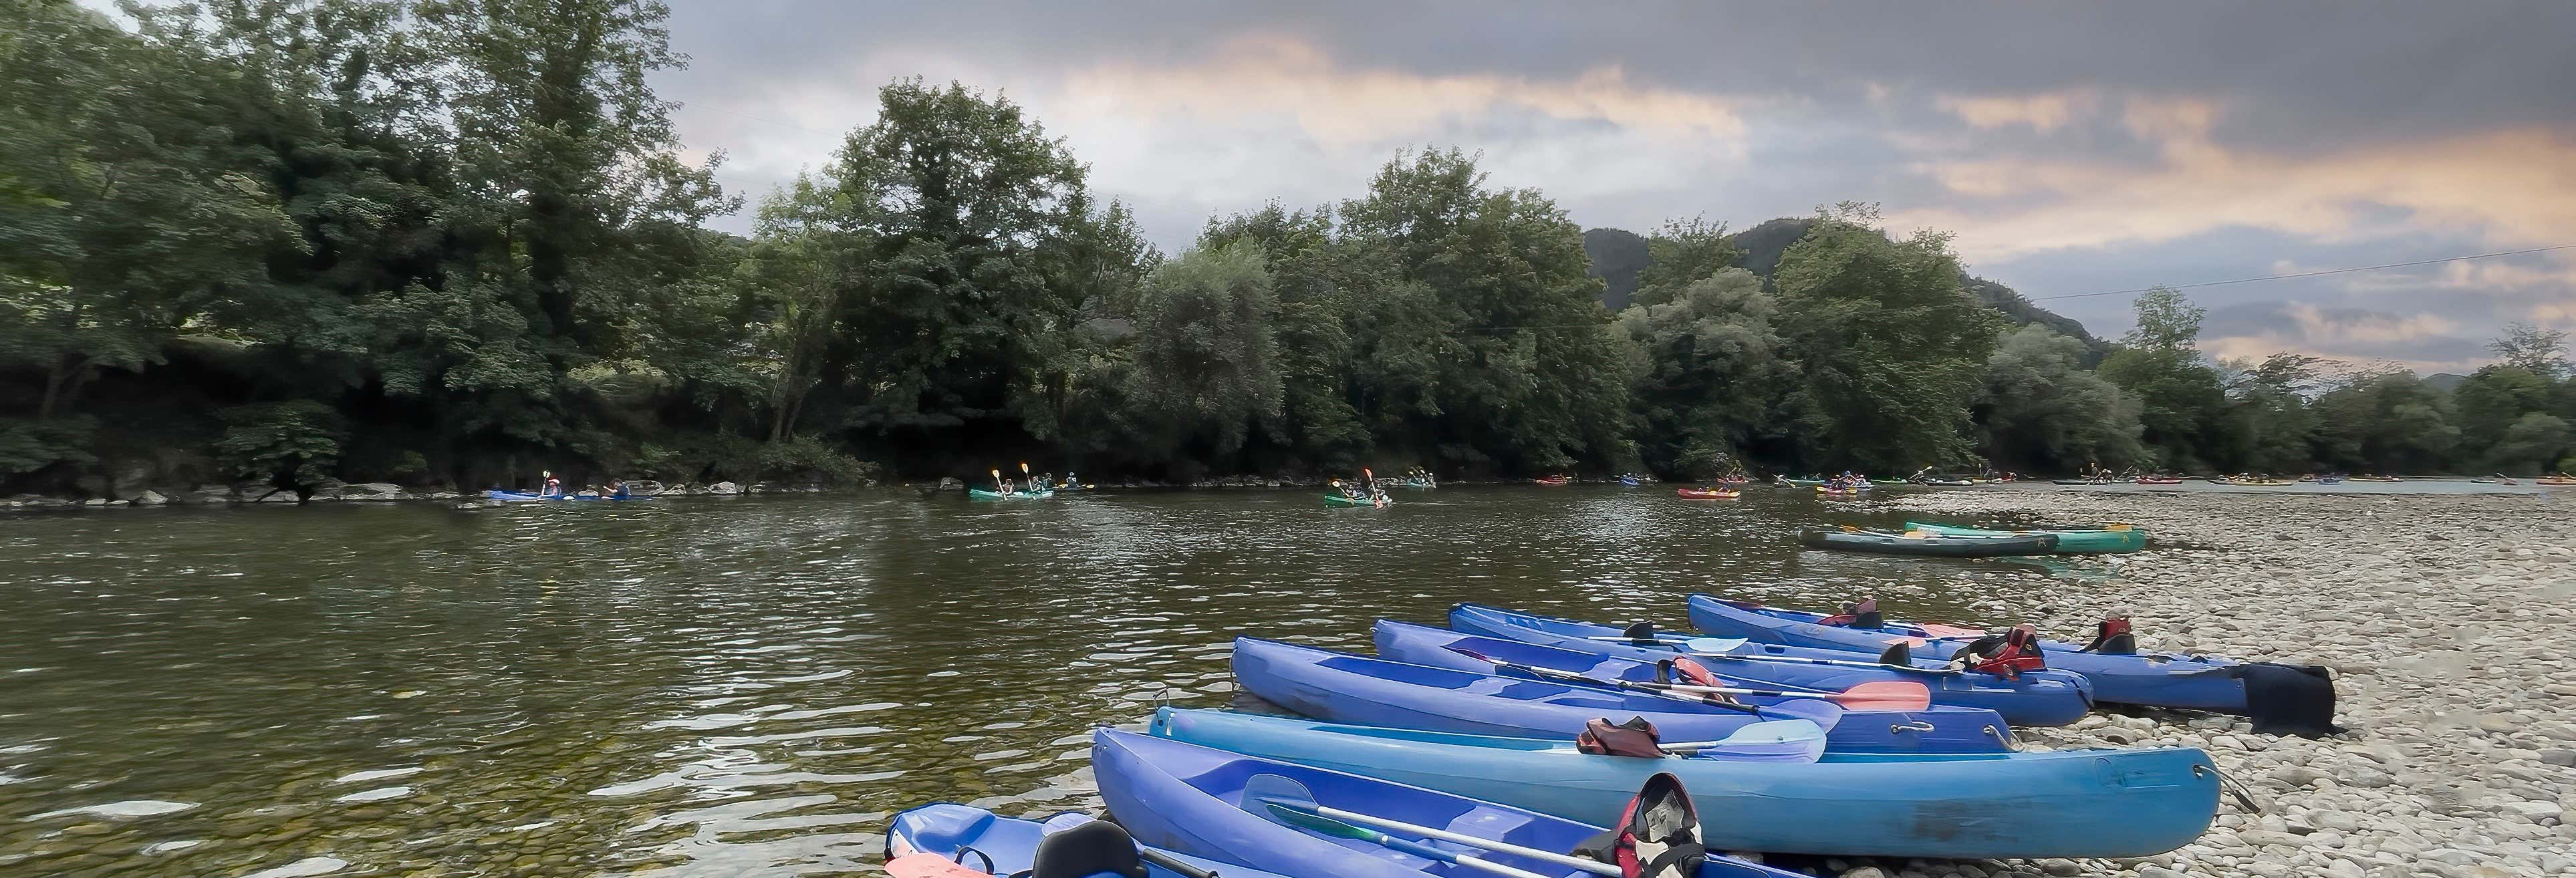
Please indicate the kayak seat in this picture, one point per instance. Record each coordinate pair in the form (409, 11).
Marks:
(1095, 848)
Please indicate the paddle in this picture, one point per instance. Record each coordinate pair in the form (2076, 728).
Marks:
(1286, 802)
(998, 486)
(1879, 695)
(1024, 476)
(1820, 714)
(1691, 647)
(1714, 644)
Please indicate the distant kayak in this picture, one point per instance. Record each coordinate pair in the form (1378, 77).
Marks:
(1555, 481)
(1339, 500)
(2101, 541)
(2159, 480)
(1708, 494)
(1925, 544)
(525, 497)
(981, 494)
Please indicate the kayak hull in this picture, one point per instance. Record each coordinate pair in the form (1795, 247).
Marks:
(1338, 500)
(1182, 796)
(1697, 494)
(2152, 679)
(1000, 845)
(1357, 689)
(1935, 546)
(1935, 729)
(981, 494)
(2076, 803)
(2040, 698)
(523, 497)
(2069, 542)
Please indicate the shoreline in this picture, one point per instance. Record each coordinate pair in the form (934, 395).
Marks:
(2436, 616)
(387, 492)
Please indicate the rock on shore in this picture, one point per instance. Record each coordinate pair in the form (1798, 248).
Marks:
(2446, 620)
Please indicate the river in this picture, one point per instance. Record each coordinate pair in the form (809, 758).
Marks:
(703, 687)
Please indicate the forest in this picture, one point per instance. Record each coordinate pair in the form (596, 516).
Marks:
(457, 242)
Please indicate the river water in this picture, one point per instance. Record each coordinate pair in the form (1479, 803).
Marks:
(702, 687)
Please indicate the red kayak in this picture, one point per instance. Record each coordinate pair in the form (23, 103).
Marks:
(1553, 481)
(1700, 494)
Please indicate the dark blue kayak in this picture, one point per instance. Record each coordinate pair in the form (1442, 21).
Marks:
(1184, 797)
(2069, 803)
(1937, 729)
(2155, 679)
(1357, 689)
(997, 845)
(2044, 698)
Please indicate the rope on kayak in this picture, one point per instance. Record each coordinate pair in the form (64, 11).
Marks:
(2243, 798)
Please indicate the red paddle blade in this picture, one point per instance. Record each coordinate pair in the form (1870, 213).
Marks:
(929, 866)
(1887, 695)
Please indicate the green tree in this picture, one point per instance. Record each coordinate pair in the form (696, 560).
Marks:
(2182, 402)
(1893, 351)
(2042, 411)
(1682, 253)
(292, 446)
(1706, 373)
(1522, 377)
(2274, 424)
(2384, 420)
(2531, 444)
(2492, 401)
(1206, 373)
(2535, 349)
(1315, 278)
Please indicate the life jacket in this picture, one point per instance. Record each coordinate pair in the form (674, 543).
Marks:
(1687, 672)
(1658, 834)
(1861, 614)
(2112, 637)
(2005, 655)
(1636, 738)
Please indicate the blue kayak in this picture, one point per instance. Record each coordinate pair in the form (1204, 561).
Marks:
(1357, 689)
(1937, 729)
(2073, 803)
(997, 845)
(2043, 698)
(1183, 797)
(2154, 679)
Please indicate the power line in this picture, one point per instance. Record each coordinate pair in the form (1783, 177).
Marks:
(2248, 280)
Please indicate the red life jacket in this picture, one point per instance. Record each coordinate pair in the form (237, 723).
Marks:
(2018, 652)
(1636, 738)
(1695, 674)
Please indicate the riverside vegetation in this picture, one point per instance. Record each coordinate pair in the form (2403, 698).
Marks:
(438, 242)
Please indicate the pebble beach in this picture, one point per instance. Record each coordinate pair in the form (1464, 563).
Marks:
(2445, 620)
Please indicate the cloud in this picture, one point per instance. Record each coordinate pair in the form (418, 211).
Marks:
(2040, 112)
(2424, 341)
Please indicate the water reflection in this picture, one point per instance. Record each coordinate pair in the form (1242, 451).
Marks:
(726, 688)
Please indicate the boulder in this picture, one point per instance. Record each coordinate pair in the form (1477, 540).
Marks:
(150, 497)
(724, 488)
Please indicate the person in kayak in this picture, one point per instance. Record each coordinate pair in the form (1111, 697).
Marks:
(553, 486)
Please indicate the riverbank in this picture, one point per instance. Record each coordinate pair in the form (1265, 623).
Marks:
(2444, 619)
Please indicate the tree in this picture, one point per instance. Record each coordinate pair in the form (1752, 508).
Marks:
(290, 445)
(2531, 444)
(2492, 400)
(2181, 400)
(2274, 425)
(1706, 373)
(2042, 411)
(1521, 373)
(1206, 358)
(1317, 281)
(2534, 349)
(1893, 350)
(2384, 420)
(1682, 253)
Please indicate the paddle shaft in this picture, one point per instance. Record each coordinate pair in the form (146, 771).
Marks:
(1173, 863)
(1796, 660)
(1471, 841)
(1630, 685)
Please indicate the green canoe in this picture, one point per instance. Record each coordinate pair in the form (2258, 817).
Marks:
(1339, 500)
(2110, 540)
(981, 494)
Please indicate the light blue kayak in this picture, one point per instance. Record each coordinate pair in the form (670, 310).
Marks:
(2042, 698)
(2074, 803)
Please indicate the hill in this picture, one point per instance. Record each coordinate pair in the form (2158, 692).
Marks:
(1618, 255)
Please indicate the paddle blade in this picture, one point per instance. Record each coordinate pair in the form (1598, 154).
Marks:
(1639, 631)
(929, 866)
(1024, 467)
(1263, 792)
(1815, 710)
(1713, 645)
(1886, 695)
(1659, 835)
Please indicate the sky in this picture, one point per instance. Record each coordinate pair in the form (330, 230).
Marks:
(2072, 149)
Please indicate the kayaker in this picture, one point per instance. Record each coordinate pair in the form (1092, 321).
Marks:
(615, 489)
(553, 486)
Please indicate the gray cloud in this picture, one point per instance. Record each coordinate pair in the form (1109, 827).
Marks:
(2073, 148)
